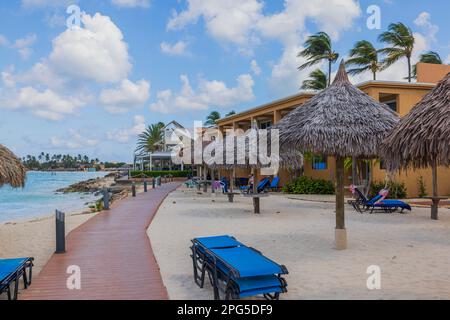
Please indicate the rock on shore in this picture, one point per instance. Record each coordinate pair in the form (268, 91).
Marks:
(90, 186)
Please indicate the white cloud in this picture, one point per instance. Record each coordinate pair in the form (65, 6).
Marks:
(46, 104)
(124, 135)
(176, 49)
(96, 52)
(80, 59)
(424, 21)
(8, 79)
(244, 24)
(231, 20)
(3, 40)
(23, 45)
(214, 94)
(131, 3)
(255, 67)
(46, 3)
(73, 140)
(126, 96)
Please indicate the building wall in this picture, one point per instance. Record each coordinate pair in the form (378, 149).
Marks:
(431, 73)
(406, 95)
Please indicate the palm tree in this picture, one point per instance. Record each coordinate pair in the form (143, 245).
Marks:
(429, 57)
(150, 139)
(317, 81)
(231, 113)
(364, 57)
(212, 118)
(401, 41)
(318, 47)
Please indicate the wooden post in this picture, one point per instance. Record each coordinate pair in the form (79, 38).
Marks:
(133, 189)
(256, 200)
(105, 199)
(435, 206)
(213, 173)
(341, 233)
(256, 205)
(205, 177)
(60, 232)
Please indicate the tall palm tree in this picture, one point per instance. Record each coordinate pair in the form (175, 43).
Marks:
(317, 81)
(364, 57)
(150, 139)
(231, 113)
(400, 41)
(428, 57)
(212, 118)
(318, 47)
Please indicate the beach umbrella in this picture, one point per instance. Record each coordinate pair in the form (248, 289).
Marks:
(422, 137)
(12, 171)
(253, 150)
(341, 121)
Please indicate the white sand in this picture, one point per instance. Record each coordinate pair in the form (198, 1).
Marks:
(35, 238)
(412, 251)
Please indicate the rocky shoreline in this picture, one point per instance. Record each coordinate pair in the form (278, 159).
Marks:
(91, 185)
(97, 186)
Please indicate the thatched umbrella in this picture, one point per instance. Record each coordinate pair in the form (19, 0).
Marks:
(341, 121)
(246, 152)
(422, 138)
(12, 170)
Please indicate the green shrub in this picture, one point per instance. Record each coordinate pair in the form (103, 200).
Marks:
(397, 190)
(306, 185)
(155, 174)
(422, 187)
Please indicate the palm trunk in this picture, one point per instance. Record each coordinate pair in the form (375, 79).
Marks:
(409, 69)
(329, 73)
(374, 76)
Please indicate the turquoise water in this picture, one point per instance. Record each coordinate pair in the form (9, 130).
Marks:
(39, 197)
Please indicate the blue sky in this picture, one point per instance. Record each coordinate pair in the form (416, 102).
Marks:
(92, 89)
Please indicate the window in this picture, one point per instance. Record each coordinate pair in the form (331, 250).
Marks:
(390, 99)
(319, 162)
(265, 125)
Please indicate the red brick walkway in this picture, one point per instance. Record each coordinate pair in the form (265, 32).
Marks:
(113, 253)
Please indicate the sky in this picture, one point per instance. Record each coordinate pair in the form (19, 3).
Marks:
(88, 76)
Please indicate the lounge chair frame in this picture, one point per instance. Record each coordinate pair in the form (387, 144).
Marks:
(24, 271)
(363, 205)
(205, 262)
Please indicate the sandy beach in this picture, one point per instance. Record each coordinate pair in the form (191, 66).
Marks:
(35, 237)
(411, 250)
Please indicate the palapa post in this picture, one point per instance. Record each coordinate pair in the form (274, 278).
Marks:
(422, 138)
(341, 121)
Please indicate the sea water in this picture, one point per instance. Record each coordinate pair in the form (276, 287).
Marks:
(39, 197)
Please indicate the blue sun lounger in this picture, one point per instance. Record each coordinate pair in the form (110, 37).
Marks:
(262, 185)
(274, 185)
(363, 204)
(11, 271)
(235, 269)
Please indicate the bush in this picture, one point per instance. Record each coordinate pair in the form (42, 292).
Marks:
(155, 174)
(422, 187)
(306, 185)
(397, 190)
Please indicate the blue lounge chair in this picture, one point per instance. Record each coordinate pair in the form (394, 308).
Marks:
(274, 185)
(235, 269)
(11, 271)
(262, 185)
(362, 204)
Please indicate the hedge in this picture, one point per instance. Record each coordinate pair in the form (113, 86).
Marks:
(155, 174)
(397, 190)
(306, 185)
